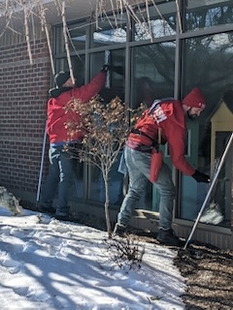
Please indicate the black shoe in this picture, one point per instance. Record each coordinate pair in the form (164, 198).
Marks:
(62, 217)
(168, 237)
(49, 210)
(119, 230)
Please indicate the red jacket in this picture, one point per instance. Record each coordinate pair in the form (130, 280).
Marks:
(56, 116)
(169, 115)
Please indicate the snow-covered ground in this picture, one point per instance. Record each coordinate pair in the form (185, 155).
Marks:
(50, 265)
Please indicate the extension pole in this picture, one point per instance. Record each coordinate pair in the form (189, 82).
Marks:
(41, 167)
(107, 54)
(210, 189)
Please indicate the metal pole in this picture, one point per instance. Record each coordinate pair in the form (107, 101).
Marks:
(41, 166)
(210, 190)
(107, 62)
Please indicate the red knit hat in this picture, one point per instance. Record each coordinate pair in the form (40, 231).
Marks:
(195, 99)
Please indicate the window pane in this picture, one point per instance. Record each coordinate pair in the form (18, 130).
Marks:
(77, 34)
(78, 182)
(208, 64)
(203, 14)
(59, 41)
(153, 67)
(162, 21)
(114, 87)
(115, 78)
(97, 187)
(109, 33)
(76, 38)
(78, 65)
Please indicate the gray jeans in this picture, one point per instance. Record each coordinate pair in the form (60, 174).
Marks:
(138, 165)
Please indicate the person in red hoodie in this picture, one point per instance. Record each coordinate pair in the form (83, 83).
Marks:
(165, 117)
(62, 165)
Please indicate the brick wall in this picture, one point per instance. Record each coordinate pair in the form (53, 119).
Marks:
(23, 97)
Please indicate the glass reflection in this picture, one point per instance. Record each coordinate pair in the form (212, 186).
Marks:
(155, 21)
(77, 35)
(111, 30)
(208, 64)
(203, 14)
(110, 36)
(153, 68)
(114, 87)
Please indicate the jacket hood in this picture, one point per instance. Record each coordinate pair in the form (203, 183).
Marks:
(195, 99)
(56, 92)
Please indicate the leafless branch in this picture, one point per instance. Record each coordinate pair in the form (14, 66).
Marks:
(66, 40)
(126, 253)
(9, 9)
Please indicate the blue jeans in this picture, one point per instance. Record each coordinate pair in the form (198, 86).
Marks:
(60, 178)
(138, 165)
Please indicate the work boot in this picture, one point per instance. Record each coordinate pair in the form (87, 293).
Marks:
(119, 230)
(62, 217)
(45, 209)
(66, 217)
(167, 237)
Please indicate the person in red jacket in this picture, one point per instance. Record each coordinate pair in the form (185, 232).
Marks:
(63, 166)
(167, 116)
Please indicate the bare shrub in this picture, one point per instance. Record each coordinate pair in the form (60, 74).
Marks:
(126, 253)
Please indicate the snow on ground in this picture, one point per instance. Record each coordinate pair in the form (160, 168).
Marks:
(50, 265)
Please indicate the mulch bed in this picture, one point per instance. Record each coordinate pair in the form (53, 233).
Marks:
(209, 277)
(208, 271)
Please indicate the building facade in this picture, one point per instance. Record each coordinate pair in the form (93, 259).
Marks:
(157, 51)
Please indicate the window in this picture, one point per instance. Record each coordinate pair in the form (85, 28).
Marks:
(162, 21)
(153, 72)
(208, 64)
(77, 36)
(203, 14)
(158, 66)
(106, 34)
(114, 87)
(153, 77)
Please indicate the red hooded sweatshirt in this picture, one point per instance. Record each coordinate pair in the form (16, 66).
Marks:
(56, 116)
(168, 114)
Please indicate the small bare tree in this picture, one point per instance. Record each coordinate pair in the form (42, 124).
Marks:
(105, 128)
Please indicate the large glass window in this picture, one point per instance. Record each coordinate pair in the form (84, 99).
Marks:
(208, 64)
(153, 56)
(204, 14)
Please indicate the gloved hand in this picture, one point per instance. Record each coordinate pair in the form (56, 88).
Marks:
(105, 68)
(201, 177)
